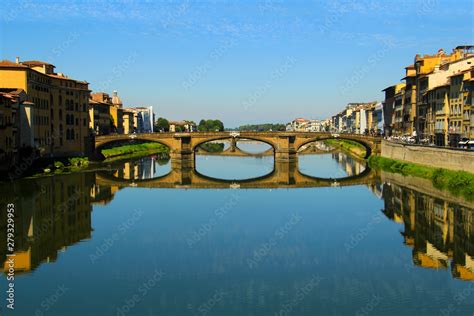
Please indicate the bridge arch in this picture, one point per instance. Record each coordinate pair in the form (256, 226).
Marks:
(367, 145)
(258, 139)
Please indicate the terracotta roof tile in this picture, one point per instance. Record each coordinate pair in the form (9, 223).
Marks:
(7, 63)
(36, 63)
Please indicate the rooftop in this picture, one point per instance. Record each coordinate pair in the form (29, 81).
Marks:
(7, 63)
(36, 63)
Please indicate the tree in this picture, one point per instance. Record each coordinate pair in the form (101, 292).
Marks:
(263, 127)
(202, 127)
(210, 126)
(162, 124)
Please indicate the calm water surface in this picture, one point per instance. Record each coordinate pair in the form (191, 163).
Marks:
(86, 245)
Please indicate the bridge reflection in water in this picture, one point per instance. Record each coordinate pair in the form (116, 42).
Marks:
(284, 175)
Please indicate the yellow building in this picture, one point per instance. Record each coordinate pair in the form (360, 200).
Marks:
(456, 110)
(438, 100)
(9, 104)
(409, 102)
(99, 117)
(448, 102)
(105, 113)
(130, 121)
(116, 113)
(425, 66)
(60, 116)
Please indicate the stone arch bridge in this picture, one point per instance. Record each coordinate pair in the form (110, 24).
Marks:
(285, 144)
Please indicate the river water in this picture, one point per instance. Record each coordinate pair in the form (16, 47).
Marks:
(124, 241)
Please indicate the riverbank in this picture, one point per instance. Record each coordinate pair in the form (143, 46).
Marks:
(76, 164)
(455, 159)
(456, 182)
(349, 146)
(141, 149)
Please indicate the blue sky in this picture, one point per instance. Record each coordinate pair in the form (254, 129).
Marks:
(241, 62)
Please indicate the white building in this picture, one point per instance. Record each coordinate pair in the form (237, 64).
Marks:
(145, 118)
(304, 125)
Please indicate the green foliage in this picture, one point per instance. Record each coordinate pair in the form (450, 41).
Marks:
(262, 127)
(438, 178)
(58, 165)
(162, 124)
(78, 161)
(135, 148)
(210, 126)
(212, 147)
(456, 182)
(348, 145)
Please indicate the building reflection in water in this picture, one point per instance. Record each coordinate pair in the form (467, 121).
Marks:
(54, 213)
(141, 169)
(440, 232)
(351, 166)
(50, 215)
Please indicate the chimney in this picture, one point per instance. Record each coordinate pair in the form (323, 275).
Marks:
(17, 60)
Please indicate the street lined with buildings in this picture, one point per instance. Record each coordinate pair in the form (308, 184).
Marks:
(432, 106)
(47, 114)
